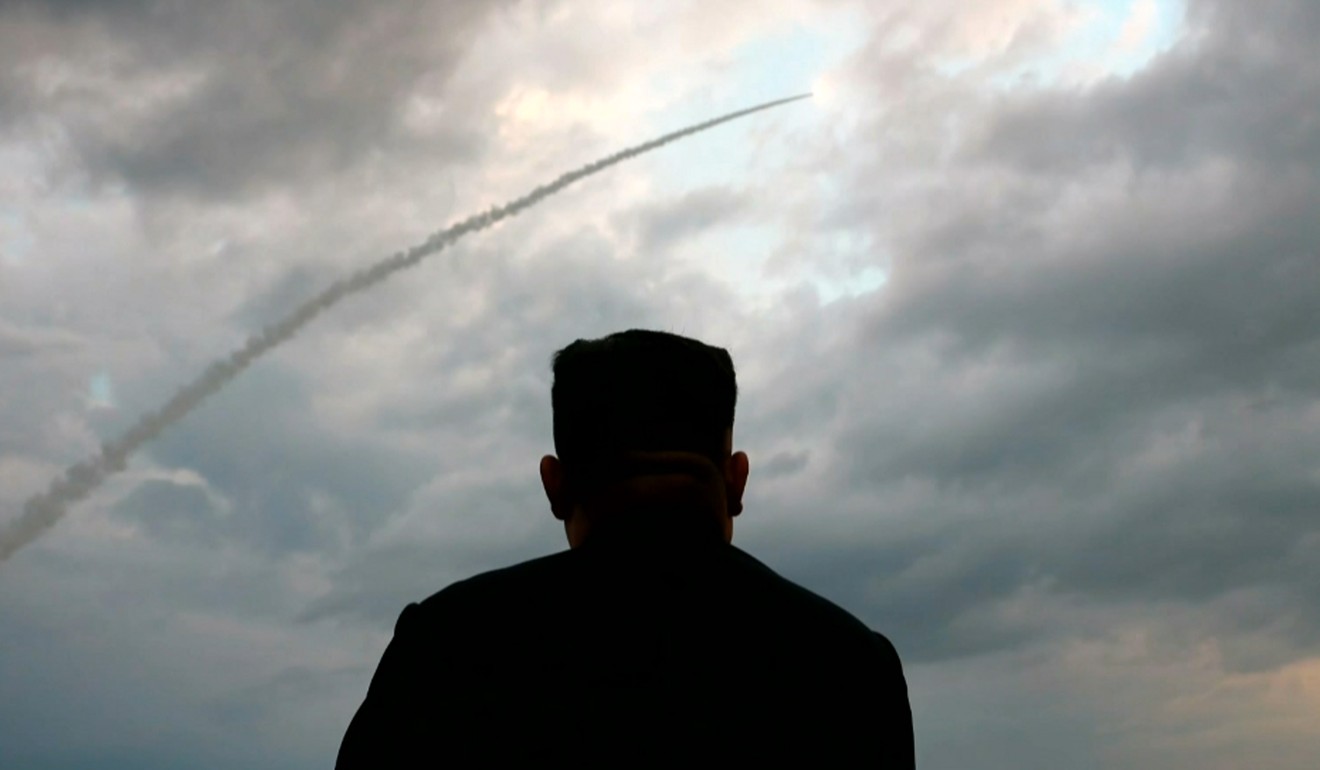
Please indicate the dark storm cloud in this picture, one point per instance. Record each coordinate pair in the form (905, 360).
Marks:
(219, 98)
(1102, 325)
(1247, 92)
(935, 597)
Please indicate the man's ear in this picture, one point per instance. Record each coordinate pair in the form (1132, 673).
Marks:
(735, 481)
(552, 478)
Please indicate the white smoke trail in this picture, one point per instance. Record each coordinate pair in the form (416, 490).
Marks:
(42, 511)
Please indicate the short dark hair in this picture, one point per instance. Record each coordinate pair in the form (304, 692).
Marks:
(638, 390)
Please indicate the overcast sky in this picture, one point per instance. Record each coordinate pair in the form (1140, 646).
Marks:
(1025, 306)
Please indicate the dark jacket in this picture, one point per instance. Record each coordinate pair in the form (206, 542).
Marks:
(628, 652)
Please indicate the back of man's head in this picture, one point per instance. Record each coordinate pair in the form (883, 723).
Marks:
(638, 390)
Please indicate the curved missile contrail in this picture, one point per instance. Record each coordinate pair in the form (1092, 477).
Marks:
(42, 511)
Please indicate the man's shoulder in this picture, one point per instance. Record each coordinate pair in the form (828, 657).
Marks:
(532, 576)
(540, 585)
(795, 597)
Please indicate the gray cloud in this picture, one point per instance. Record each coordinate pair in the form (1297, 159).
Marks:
(1244, 92)
(269, 456)
(171, 512)
(783, 464)
(1098, 346)
(42, 511)
(18, 341)
(661, 224)
(234, 96)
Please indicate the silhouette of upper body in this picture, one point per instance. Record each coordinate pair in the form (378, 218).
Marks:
(652, 640)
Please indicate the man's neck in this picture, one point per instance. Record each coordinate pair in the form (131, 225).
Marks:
(656, 527)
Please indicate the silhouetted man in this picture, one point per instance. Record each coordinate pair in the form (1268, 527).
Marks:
(652, 640)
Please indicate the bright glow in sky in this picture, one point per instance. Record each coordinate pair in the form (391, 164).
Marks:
(1115, 37)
